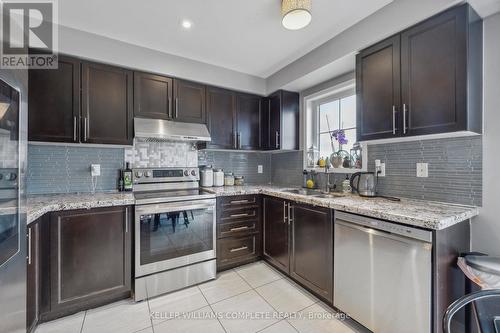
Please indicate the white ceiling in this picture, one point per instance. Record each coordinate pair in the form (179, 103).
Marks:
(242, 35)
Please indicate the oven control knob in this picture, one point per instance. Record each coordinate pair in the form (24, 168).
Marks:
(193, 173)
(148, 173)
(186, 173)
(138, 174)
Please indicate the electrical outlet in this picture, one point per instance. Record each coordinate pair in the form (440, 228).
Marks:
(380, 167)
(95, 170)
(382, 170)
(260, 169)
(422, 170)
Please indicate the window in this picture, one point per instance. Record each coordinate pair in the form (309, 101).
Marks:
(334, 115)
(328, 113)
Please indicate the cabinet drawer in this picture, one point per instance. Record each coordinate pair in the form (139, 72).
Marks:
(239, 201)
(239, 228)
(238, 214)
(231, 250)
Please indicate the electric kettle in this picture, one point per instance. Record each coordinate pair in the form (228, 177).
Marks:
(364, 183)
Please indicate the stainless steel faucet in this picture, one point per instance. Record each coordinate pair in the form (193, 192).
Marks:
(328, 185)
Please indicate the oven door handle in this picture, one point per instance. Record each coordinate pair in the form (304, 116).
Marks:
(154, 209)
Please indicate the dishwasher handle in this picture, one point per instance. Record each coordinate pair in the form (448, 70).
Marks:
(384, 226)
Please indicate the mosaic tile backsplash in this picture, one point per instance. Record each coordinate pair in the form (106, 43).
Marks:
(161, 154)
(66, 169)
(455, 169)
(240, 163)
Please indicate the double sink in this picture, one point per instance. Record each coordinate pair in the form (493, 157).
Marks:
(315, 193)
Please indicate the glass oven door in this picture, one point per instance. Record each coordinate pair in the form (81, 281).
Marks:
(172, 235)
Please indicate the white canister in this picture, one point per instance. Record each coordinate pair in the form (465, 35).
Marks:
(218, 177)
(207, 176)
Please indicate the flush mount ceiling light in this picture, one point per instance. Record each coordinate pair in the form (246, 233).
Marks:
(296, 14)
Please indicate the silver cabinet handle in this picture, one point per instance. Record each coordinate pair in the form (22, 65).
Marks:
(176, 111)
(239, 228)
(239, 215)
(235, 140)
(74, 128)
(393, 120)
(239, 202)
(285, 219)
(126, 220)
(169, 106)
(290, 219)
(85, 129)
(277, 139)
(404, 119)
(239, 140)
(239, 249)
(29, 246)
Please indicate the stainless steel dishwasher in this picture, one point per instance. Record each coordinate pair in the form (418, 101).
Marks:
(382, 274)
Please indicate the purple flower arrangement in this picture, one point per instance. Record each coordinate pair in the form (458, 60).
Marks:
(339, 135)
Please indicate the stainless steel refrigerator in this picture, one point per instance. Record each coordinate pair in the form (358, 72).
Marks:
(13, 151)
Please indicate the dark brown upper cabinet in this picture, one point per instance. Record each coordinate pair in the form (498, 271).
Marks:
(221, 107)
(441, 66)
(281, 121)
(152, 96)
(425, 80)
(248, 120)
(378, 90)
(190, 104)
(107, 115)
(54, 102)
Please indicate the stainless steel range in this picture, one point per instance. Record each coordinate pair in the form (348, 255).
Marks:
(174, 231)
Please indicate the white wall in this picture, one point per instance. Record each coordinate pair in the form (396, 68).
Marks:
(486, 227)
(91, 46)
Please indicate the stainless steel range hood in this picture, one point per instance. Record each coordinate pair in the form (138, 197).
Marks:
(167, 130)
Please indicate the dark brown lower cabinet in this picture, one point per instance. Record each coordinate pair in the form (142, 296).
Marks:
(88, 261)
(276, 232)
(239, 238)
(298, 240)
(33, 275)
(311, 261)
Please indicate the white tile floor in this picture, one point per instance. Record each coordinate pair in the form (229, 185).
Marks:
(252, 298)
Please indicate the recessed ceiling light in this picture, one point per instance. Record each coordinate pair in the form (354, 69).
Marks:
(186, 24)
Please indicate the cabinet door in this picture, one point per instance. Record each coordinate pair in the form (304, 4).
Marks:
(378, 90)
(312, 249)
(221, 112)
(107, 114)
(152, 96)
(276, 226)
(248, 120)
(275, 121)
(90, 258)
(289, 133)
(33, 276)
(189, 102)
(434, 75)
(264, 123)
(54, 102)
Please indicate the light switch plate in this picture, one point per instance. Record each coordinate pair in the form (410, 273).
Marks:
(422, 170)
(260, 169)
(95, 170)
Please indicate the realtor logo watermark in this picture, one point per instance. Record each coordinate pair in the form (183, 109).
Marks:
(29, 34)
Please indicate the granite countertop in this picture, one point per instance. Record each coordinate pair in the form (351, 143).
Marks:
(38, 205)
(425, 214)
(419, 213)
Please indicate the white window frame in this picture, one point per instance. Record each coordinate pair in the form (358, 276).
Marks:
(310, 129)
